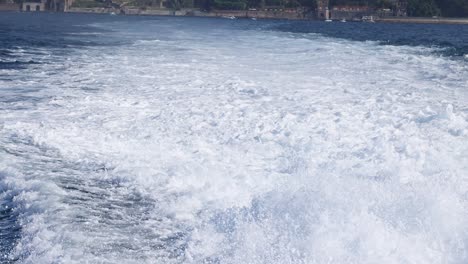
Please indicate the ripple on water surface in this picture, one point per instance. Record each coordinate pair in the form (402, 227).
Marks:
(169, 140)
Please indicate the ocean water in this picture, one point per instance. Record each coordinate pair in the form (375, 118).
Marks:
(189, 140)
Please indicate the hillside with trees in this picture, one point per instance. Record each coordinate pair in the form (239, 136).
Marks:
(453, 8)
(255, 4)
(415, 8)
(418, 8)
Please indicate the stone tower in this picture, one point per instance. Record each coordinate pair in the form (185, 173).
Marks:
(322, 9)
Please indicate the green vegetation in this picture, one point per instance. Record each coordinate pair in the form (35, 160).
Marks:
(143, 3)
(256, 4)
(87, 4)
(174, 4)
(453, 8)
(311, 4)
(446, 8)
(230, 4)
(421, 8)
(371, 3)
(417, 8)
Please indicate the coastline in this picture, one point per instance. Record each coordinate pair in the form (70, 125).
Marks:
(248, 14)
(262, 15)
(424, 20)
(195, 13)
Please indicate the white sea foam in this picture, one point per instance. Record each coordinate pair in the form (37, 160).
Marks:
(258, 147)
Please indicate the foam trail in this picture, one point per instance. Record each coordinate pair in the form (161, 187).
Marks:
(260, 147)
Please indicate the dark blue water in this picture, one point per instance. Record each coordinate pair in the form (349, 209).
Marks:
(452, 39)
(60, 32)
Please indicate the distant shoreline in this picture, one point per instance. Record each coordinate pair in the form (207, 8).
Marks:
(424, 20)
(268, 15)
(276, 15)
(253, 14)
(242, 14)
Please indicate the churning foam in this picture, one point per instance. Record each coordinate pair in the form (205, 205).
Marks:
(257, 147)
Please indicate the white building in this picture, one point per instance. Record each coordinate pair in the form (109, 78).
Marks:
(32, 6)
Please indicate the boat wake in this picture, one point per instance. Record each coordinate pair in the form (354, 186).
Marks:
(264, 147)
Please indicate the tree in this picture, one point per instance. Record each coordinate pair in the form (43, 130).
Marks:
(175, 4)
(254, 3)
(453, 8)
(230, 4)
(311, 4)
(423, 8)
(384, 3)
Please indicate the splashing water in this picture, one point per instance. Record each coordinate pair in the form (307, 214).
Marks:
(188, 143)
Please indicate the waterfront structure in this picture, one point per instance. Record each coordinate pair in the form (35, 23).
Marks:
(323, 11)
(33, 6)
(349, 12)
(9, 5)
(401, 8)
(357, 12)
(45, 5)
(58, 5)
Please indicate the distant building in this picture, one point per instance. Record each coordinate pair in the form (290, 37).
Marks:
(350, 8)
(33, 6)
(349, 12)
(401, 8)
(322, 9)
(9, 5)
(58, 5)
(356, 12)
(385, 12)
